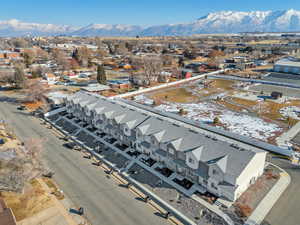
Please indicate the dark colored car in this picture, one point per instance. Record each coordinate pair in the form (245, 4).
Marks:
(21, 107)
(70, 145)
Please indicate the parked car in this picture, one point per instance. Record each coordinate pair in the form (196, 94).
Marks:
(48, 174)
(21, 107)
(70, 145)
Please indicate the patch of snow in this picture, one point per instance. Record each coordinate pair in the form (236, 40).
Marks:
(143, 100)
(290, 111)
(206, 112)
(249, 126)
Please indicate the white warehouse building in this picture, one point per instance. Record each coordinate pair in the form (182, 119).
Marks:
(287, 65)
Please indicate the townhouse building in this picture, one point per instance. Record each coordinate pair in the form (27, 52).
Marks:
(222, 168)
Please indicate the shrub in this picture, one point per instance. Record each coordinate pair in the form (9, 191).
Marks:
(243, 210)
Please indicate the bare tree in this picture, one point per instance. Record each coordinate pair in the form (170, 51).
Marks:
(24, 166)
(61, 58)
(151, 67)
(35, 91)
(176, 72)
(33, 148)
(42, 54)
(82, 55)
(6, 76)
(19, 76)
(29, 57)
(45, 106)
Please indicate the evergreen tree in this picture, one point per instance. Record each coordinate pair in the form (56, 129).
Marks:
(101, 76)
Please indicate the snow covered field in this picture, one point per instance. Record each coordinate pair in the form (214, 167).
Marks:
(291, 111)
(206, 112)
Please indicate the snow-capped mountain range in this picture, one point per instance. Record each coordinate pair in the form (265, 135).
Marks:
(218, 22)
(18, 28)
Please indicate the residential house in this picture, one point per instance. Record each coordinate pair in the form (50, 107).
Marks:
(50, 78)
(222, 168)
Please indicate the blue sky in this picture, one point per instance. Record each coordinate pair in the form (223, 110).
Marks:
(140, 12)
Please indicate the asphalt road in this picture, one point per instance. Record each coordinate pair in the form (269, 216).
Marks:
(104, 201)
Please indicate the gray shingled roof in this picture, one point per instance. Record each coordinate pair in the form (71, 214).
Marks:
(227, 158)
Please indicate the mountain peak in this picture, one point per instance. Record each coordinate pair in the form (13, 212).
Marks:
(214, 22)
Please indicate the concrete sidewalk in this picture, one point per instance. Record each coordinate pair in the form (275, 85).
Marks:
(270, 199)
(63, 206)
(56, 215)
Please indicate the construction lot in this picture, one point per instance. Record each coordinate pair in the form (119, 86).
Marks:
(240, 107)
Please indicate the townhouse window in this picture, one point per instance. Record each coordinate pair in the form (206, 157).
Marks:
(171, 151)
(191, 160)
(153, 141)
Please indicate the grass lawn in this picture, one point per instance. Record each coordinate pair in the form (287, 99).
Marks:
(231, 106)
(245, 102)
(180, 95)
(217, 86)
(225, 84)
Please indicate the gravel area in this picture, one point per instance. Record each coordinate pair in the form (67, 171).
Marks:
(54, 117)
(117, 159)
(143, 176)
(60, 122)
(86, 138)
(69, 127)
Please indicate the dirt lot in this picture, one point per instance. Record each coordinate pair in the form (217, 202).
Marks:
(54, 188)
(32, 201)
(180, 95)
